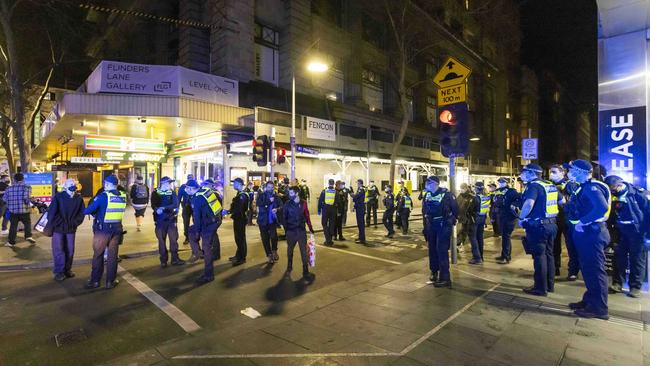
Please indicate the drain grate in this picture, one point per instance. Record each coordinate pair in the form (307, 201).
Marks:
(70, 337)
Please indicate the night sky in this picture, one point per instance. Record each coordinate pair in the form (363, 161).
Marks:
(561, 36)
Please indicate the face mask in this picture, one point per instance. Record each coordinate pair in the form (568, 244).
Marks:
(72, 188)
(502, 185)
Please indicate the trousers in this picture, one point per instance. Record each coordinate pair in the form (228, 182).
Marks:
(62, 252)
(103, 240)
(590, 245)
(439, 239)
(167, 230)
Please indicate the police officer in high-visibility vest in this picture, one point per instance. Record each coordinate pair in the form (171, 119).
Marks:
(108, 210)
(327, 209)
(405, 205)
(557, 175)
(217, 188)
(441, 213)
(206, 217)
(360, 199)
(372, 203)
(590, 235)
(389, 207)
(631, 210)
(537, 217)
(164, 203)
(482, 200)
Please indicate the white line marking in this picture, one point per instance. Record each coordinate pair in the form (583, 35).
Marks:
(446, 321)
(349, 354)
(359, 254)
(168, 308)
(477, 276)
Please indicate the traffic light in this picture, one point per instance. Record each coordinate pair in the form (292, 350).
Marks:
(261, 146)
(282, 156)
(454, 130)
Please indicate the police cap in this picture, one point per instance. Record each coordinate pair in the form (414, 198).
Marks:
(532, 168)
(111, 179)
(192, 183)
(613, 179)
(165, 180)
(479, 185)
(433, 178)
(581, 164)
(208, 182)
(238, 180)
(503, 180)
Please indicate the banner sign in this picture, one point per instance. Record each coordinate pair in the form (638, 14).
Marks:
(321, 129)
(622, 144)
(307, 150)
(42, 185)
(128, 78)
(119, 143)
(120, 156)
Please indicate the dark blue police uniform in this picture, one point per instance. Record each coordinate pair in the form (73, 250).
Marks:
(166, 224)
(541, 230)
(441, 211)
(206, 214)
(503, 199)
(359, 199)
(592, 210)
(267, 221)
(389, 205)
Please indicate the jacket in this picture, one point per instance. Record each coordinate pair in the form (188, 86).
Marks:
(265, 207)
(66, 213)
(296, 215)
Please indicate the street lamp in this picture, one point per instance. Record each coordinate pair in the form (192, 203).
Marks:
(313, 66)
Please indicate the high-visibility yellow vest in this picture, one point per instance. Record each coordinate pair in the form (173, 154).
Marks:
(163, 193)
(408, 203)
(115, 207)
(211, 198)
(330, 194)
(485, 204)
(552, 209)
(365, 198)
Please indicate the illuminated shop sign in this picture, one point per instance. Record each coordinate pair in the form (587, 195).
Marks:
(196, 143)
(118, 143)
(133, 156)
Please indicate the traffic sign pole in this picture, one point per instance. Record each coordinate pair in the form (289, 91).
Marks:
(452, 188)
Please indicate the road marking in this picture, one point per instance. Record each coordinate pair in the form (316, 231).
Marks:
(477, 276)
(405, 351)
(359, 254)
(446, 321)
(168, 308)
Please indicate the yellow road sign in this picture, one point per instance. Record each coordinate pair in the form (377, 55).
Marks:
(452, 94)
(452, 72)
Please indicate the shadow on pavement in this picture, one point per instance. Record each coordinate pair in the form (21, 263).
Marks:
(285, 290)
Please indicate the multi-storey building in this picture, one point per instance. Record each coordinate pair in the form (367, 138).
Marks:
(260, 47)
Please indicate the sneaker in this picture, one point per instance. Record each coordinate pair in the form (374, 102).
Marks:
(178, 262)
(269, 259)
(503, 261)
(571, 278)
(69, 274)
(31, 240)
(360, 241)
(442, 284)
(433, 277)
(192, 259)
(59, 277)
(342, 239)
(163, 265)
(233, 258)
(276, 257)
(112, 284)
(238, 262)
(91, 285)
(4, 232)
(634, 292)
(533, 291)
(499, 258)
(475, 261)
(10, 245)
(615, 288)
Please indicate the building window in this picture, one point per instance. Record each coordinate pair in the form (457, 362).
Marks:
(432, 114)
(466, 4)
(333, 82)
(382, 136)
(373, 31)
(267, 54)
(353, 131)
(372, 90)
(330, 10)
(507, 139)
(410, 110)
(508, 115)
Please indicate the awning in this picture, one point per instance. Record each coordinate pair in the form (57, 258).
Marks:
(164, 118)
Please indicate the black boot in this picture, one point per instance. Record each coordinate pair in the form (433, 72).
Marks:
(289, 263)
(306, 275)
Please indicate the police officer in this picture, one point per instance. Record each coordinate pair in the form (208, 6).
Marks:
(251, 200)
(557, 175)
(504, 199)
(373, 203)
(405, 205)
(481, 200)
(237, 212)
(570, 192)
(296, 215)
(268, 204)
(389, 207)
(164, 203)
(494, 215)
(630, 207)
(441, 212)
(360, 198)
(304, 191)
(590, 236)
(217, 188)
(398, 197)
(186, 205)
(537, 217)
(327, 209)
(108, 210)
(206, 214)
(341, 202)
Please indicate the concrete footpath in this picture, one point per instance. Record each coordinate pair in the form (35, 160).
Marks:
(26, 256)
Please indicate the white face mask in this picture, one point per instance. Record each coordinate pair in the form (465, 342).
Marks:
(502, 184)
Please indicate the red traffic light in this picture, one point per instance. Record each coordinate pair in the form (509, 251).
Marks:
(447, 117)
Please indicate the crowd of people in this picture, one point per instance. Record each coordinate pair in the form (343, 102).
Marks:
(570, 205)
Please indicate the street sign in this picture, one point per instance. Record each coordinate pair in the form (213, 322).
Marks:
(529, 149)
(453, 72)
(452, 94)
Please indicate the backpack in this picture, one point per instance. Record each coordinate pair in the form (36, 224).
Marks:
(141, 191)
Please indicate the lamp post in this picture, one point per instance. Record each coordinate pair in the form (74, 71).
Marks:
(313, 66)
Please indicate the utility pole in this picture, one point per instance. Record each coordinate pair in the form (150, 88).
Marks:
(452, 188)
(272, 153)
